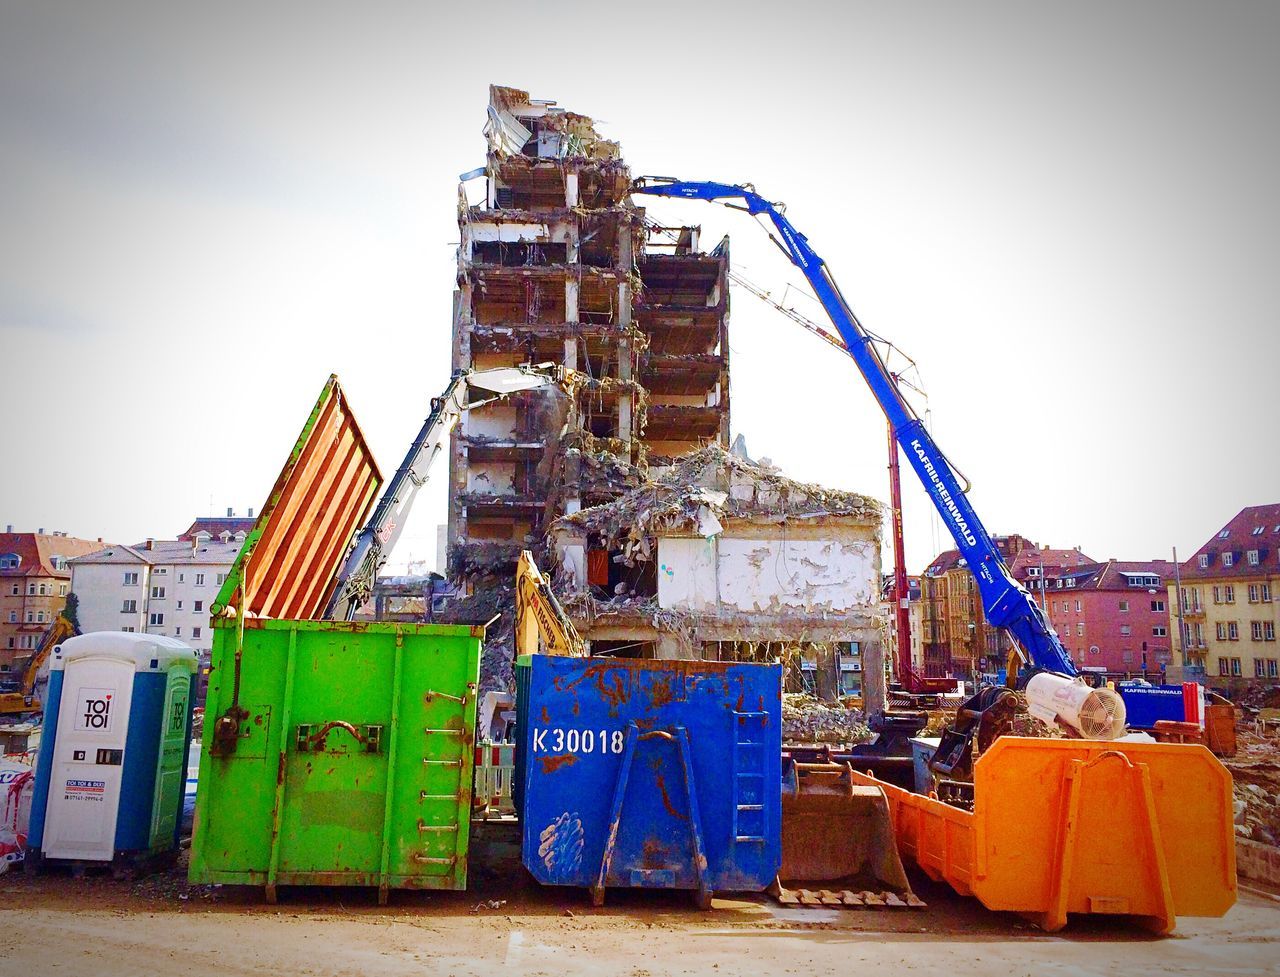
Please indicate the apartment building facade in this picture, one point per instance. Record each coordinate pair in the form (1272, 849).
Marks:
(35, 578)
(156, 587)
(1227, 605)
(1114, 616)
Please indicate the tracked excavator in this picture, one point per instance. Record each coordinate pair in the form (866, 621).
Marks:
(1015, 837)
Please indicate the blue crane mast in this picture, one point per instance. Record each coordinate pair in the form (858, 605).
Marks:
(1005, 602)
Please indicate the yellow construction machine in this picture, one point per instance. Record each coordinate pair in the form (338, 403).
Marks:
(26, 700)
(542, 626)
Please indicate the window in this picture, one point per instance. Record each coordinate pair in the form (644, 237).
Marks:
(1272, 667)
(1255, 630)
(1228, 594)
(157, 593)
(1223, 666)
(197, 607)
(1233, 631)
(179, 605)
(1224, 534)
(1253, 593)
(1253, 558)
(131, 579)
(1159, 631)
(129, 607)
(1071, 581)
(1033, 571)
(1228, 559)
(160, 571)
(222, 578)
(1125, 630)
(1199, 635)
(1157, 605)
(31, 589)
(15, 590)
(1235, 666)
(1264, 593)
(1143, 580)
(1127, 656)
(1080, 630)
(156, 619)
(10, 561)
(1217, 594)
(1269, 631)
(1204, 560)
(62, 590)
(199, 579)
(128, 629)
(1259, 668)
(1222, 631)
(195, 632)
(30, 619)
(1124, 607)
(13, 617)
(177, 632)
(43, 591)
(182, 577)
(39, 617)
(1258, 530)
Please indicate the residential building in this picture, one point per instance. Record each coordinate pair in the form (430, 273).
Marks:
(556, 264)
(35, 579)
(157, 587)
(1114, 616)
(956, 637)
(1228, 602)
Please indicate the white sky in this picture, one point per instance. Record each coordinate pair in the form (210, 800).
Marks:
(1066, 213)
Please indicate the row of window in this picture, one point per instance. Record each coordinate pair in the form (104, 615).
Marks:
(1254, 557)
(38, 590)
(1157, 631)
(130, 605)
(1259, 593)
(1064, 606)
(1258, 630)
(32, 617)
(131, 578)
(1262, 667)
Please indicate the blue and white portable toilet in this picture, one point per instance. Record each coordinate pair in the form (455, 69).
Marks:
(111, 772)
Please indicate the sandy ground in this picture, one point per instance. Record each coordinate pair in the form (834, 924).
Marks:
(57, 924)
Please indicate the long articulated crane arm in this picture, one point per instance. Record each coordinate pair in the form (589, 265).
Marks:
(1006, 603)
(354, 582)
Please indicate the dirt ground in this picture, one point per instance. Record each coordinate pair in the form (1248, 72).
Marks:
(160, 925)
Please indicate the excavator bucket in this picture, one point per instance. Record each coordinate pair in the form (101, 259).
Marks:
(838, 845)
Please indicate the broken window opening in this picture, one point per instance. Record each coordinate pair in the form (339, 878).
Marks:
(519, 254)
(623, 649)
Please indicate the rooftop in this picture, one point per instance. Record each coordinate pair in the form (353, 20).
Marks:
(165, 552)
(41, 554)
(1247, 546)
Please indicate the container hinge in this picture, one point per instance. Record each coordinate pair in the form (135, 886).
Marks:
(428, 860)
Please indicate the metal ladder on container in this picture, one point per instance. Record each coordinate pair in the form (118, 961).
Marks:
(748, 753)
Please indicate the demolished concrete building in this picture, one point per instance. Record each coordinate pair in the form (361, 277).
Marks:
(557, 264)
(720, 557)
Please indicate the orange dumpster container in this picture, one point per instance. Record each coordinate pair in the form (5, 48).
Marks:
(1081, 826)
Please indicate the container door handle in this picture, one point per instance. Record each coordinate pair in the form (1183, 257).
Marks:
(312, 740)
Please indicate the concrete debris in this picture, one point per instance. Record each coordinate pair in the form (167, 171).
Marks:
(806, 720)
(1255, 771)
(705, 488)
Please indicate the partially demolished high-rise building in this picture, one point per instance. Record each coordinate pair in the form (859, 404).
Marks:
(556, 264)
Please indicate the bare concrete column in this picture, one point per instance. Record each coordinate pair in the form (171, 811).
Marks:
(873, 686)
(626, 397)
(570, 299)
(571, 187)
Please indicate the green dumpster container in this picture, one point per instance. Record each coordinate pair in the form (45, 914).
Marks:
(334, 753)
(353, 765)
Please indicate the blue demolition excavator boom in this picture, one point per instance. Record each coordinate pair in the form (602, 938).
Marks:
(1005, 602)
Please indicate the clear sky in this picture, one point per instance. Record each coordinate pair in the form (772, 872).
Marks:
(1066, 213)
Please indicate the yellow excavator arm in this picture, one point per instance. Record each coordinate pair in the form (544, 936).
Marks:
(25, 700)
(538, 613)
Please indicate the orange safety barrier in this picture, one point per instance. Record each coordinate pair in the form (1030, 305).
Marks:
(1081, 826)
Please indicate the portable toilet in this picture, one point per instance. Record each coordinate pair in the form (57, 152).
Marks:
(111, 771)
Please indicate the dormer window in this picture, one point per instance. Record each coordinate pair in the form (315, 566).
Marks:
(1224, 534)
(1071, 581)
(1253, 558)
(1204, 560)
(10, 561)
(1228, 559)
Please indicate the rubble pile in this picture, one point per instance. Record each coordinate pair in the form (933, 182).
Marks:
(492, 596)
(703, 488)
(1255, 770)
(806, 720)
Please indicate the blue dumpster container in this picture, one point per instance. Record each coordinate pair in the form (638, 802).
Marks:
(650, 773)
